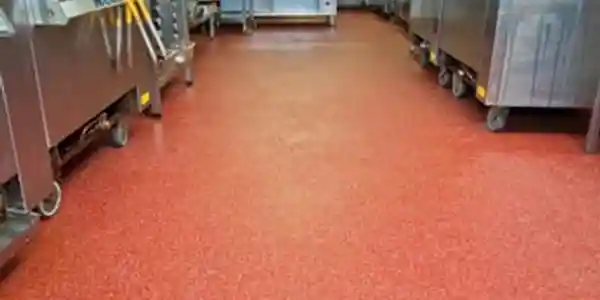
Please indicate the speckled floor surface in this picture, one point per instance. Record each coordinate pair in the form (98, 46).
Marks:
(308, 163)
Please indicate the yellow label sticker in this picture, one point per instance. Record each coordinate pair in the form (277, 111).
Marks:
(433, 57)
(145, 98)
(480, 91)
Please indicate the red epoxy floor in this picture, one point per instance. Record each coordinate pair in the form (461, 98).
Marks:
(318, 164)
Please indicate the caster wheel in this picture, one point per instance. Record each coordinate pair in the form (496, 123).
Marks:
(496, 118)
(459, 86)
(49, 207)
(423, 57)
(444, 78)
(119, 135)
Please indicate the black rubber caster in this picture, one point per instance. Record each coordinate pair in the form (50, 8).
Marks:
(119, 135)
(49, 207)
(496, 118)
(423, 57)
(459, 86)
(444, 78)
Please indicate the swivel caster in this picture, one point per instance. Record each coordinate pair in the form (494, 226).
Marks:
(119, 135)
(444, 78)
(459, 86)
(49, 207)
(496, 118)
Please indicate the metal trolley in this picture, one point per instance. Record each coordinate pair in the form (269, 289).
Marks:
(519, 53)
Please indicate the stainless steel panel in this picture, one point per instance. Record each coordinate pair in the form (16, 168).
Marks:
(463, 23)
(22, 106)
(535, 53)
(543, 54)
(8, 167)
(424, 19)
(76, 77)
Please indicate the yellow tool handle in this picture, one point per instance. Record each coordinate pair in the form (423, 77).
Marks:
(132, 10)
(144, 10)
(128, 15)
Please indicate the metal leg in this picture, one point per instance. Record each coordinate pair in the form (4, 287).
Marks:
(211, 26)
(189, 74)
(591, 139)
(155, 108)
(331, 20)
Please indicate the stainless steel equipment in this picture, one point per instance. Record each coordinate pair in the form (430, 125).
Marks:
(26, 180)
(521, 53)
(92, 69)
